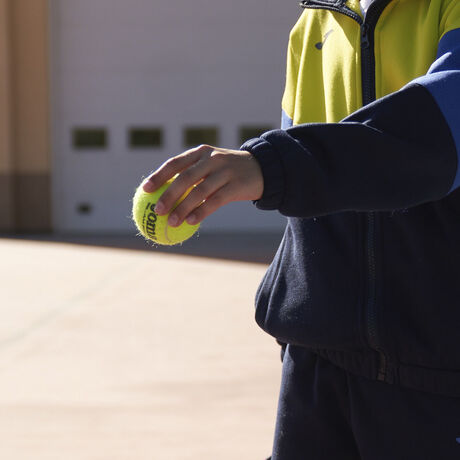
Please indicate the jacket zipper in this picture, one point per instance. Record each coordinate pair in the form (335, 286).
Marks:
(369, 95)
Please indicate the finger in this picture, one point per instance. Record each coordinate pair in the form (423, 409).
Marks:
(174, 166)
(182, 183)
(205, 189)
(220, 198)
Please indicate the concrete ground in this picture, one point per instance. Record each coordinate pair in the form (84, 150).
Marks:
(130, 353)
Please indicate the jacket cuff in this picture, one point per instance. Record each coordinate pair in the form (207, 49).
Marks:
(272, 171)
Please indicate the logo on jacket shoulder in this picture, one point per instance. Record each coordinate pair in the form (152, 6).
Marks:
(320, 45)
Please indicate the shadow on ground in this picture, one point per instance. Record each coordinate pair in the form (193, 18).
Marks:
(255, 247)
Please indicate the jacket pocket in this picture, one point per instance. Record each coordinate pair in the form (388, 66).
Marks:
(422, 284)
(309, 295)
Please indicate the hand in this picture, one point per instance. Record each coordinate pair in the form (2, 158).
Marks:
(220, 176)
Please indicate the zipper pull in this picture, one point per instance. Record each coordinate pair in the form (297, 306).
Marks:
(365, 42)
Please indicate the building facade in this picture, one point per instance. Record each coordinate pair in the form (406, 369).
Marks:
(25, 151)
(98, 93)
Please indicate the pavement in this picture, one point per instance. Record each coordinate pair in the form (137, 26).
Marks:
(115, 350)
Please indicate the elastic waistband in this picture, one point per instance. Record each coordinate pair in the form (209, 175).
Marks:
(365, 364)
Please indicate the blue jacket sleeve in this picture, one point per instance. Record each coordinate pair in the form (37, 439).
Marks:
(400, 151)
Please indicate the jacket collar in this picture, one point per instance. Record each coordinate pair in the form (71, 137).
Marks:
(334, 3)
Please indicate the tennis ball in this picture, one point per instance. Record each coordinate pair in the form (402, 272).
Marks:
(155, 227)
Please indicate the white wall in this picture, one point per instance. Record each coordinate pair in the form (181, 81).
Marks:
(118, 63)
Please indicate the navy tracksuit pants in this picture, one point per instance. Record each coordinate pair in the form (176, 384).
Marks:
(325, 413)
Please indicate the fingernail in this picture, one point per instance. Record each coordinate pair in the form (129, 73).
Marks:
(191, 219)
(159, 207)
(148, 187)
(173, 219)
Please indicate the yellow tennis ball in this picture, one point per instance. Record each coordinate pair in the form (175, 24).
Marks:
(155, 227)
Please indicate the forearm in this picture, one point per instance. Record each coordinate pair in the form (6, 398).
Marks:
(381, 157)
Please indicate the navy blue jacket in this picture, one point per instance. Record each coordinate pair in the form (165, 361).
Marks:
(368, 271)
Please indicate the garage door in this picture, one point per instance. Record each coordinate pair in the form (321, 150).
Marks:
(136, 82)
